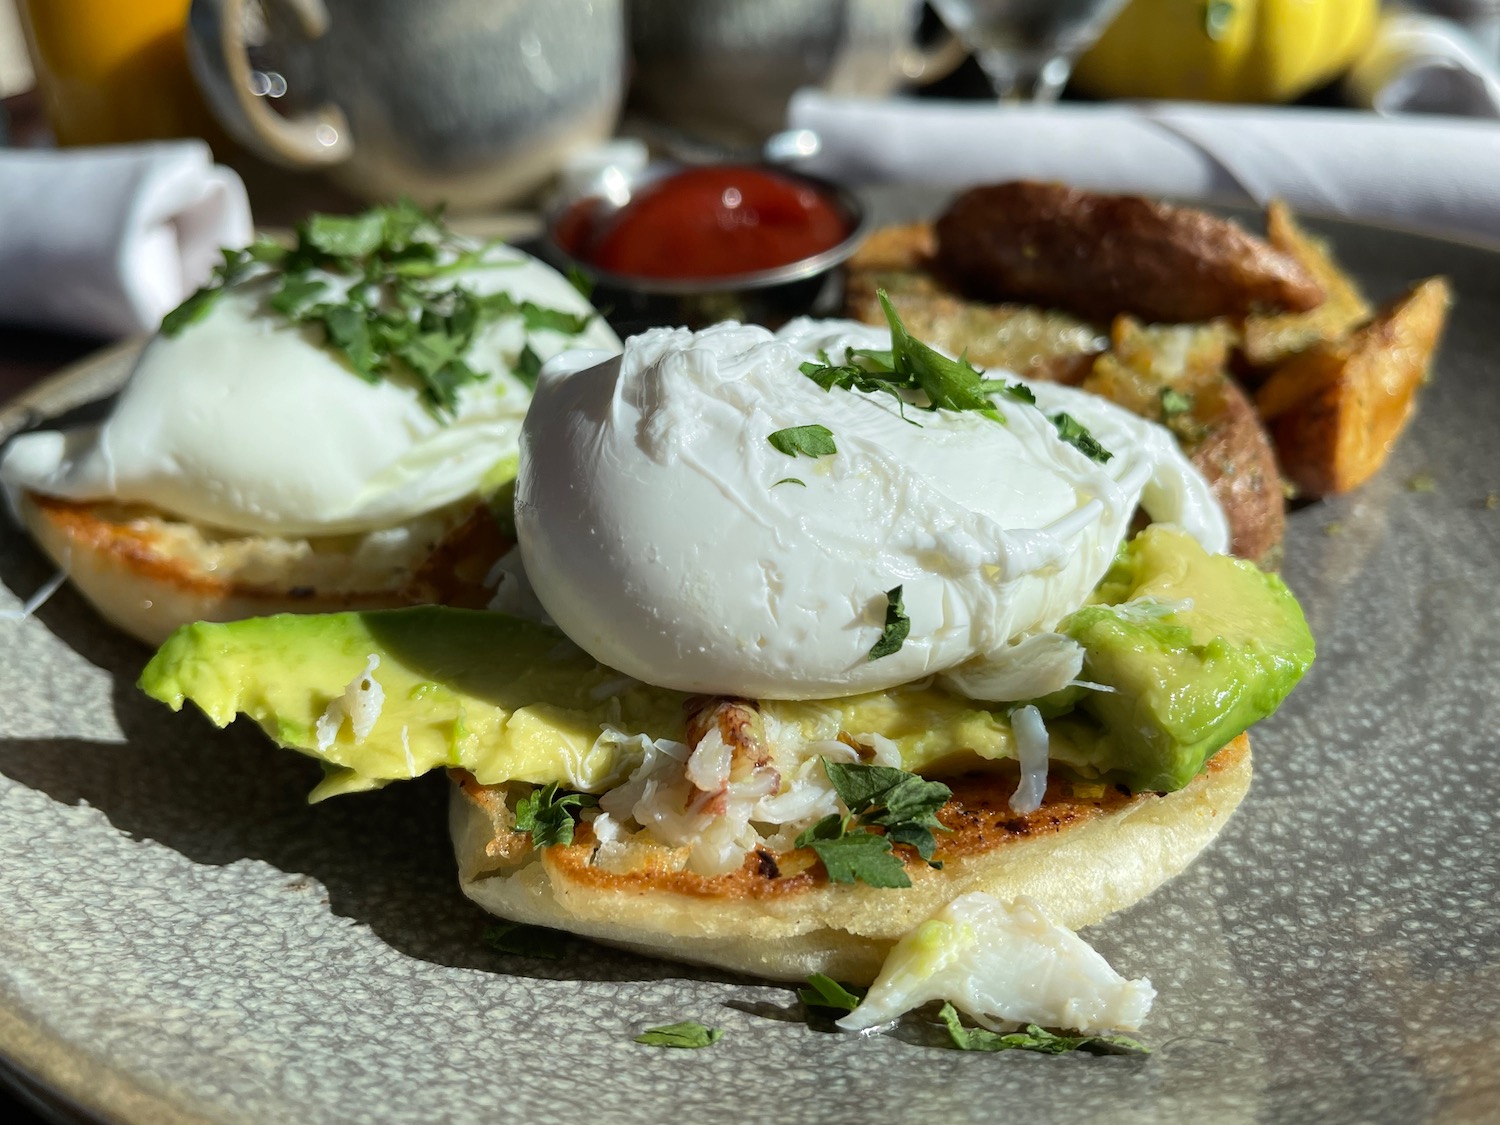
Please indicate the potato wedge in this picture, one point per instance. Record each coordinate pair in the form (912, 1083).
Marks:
(1271, 339)
(1039, 343)
(1176, 375)
(1335, 410)
(1099, 255)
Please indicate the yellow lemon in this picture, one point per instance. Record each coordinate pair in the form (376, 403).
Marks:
(1226, 50)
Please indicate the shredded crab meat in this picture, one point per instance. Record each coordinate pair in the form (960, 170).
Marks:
(1003, 962)
(723, 793)
(1031, 748)
(360, 705)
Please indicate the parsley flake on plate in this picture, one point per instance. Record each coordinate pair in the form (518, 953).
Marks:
(689, 1034)
(826, 994)
(517, 940)
(1034, 1038)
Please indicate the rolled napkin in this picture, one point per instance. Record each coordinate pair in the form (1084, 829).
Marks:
(1421, 64)
(104, 241)
(1435, 174)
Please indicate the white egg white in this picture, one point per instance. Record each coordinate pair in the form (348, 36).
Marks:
(662, 531)
(245, 422)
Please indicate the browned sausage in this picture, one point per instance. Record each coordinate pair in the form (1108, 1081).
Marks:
(1100, 255)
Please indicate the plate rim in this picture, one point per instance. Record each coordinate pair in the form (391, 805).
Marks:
(31, 1055)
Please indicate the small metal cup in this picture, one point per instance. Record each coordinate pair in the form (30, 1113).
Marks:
(812, 286)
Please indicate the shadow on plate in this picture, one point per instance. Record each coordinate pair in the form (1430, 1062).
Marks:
(219, 796)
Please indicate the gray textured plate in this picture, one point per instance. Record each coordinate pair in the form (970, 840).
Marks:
(182, 939)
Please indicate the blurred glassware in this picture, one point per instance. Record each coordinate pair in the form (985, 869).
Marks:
(111, 71)
(1480, 18)
(1027, 47)
(466, 102)
(1226, 50)
(723, 72)
(1425, 64)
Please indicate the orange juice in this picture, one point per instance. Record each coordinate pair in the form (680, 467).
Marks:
(114, 70)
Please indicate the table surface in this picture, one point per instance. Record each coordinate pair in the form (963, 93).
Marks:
(26, 357)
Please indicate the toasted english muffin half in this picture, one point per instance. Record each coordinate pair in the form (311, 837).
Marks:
(148, 573)
(1089, 850)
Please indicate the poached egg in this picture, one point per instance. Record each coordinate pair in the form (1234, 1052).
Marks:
(245, 422)
(665, 534)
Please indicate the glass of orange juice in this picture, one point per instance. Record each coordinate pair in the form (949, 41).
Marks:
(111, 71)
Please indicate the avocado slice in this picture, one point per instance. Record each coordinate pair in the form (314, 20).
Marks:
(1196, 648)
(504, 698)
(510, 700)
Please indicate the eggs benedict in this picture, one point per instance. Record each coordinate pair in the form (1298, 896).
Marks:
(826, 630)
(303, 433)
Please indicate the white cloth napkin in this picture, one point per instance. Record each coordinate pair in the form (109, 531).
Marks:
(1436, 174)
(1421, 64)
(105, 240)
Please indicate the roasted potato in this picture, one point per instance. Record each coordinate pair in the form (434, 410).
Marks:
(1102, 255)
(1335, 409)
(1271, 339)
(1175, 374)
(1039, 343)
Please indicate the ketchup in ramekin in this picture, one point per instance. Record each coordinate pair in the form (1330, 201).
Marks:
(721, 220)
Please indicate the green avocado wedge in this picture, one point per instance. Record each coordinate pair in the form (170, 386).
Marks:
(503, 698)
(1191, 648)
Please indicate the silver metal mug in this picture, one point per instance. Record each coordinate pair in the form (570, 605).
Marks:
(723, 70)
(468, 102)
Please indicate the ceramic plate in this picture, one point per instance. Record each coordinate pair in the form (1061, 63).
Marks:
(183, 939)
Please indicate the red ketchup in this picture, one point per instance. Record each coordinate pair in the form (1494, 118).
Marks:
(713, 221)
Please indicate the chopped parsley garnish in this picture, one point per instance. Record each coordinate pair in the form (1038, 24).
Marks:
(397, 319)
(826, 994)
(1077, 435)
(808, 441)
(548, 817)
(516, 940)
(854, 856)
(1174, 402)
(1035, 1038)
(528, 367)
(791, 480)
(911, 366)
(689, 1034)
(901, 803)
(897, 627)
(950, 384)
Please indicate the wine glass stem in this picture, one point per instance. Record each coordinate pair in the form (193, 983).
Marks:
(1019, 78)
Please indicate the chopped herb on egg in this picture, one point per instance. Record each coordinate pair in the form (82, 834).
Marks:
(689, 1034)
(395, 319)
(897, 626)
(1035, 1038)
(528, 367)
(791, 480)
(807, 441)
(1076, 434)
(951, 384)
